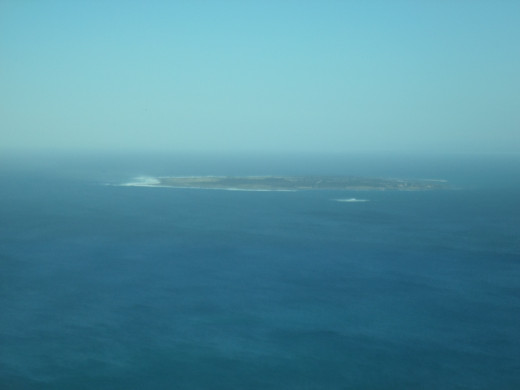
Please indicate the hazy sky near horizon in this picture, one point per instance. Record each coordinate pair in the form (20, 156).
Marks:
(324, 76)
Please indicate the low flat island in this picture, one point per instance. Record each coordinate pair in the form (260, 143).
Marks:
(295, 183)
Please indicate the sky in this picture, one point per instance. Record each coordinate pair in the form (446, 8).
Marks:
(264, 76)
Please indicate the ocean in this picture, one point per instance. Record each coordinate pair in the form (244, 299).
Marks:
(104, 286)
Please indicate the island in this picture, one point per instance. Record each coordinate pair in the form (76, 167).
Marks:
(292, 183)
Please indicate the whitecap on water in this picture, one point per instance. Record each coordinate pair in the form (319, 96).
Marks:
(143, 181)
(351, 200)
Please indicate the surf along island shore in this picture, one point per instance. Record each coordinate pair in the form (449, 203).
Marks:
(293, 183)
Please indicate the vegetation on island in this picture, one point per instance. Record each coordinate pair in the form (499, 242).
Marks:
(293, 183)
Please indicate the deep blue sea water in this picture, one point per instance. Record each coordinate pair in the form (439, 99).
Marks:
(110, 287)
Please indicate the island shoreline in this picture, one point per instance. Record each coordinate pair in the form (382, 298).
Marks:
(289, 183)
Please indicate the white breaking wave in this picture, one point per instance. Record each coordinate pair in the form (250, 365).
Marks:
(351, 200)
(150, 181)
(248, 189)
(142, 181)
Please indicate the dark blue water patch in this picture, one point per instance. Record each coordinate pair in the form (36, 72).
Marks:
(119, 287)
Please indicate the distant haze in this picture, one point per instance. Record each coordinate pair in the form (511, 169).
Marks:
(282, 76)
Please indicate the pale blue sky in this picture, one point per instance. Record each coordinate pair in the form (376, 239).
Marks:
(324, 76)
